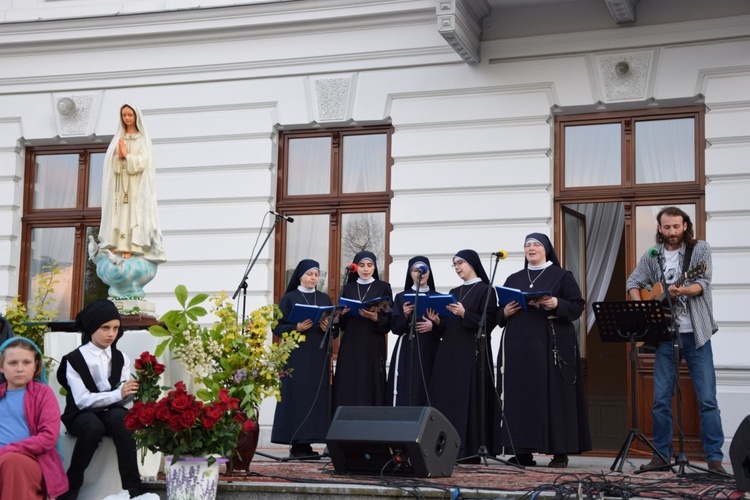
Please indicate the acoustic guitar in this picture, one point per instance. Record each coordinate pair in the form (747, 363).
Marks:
(657, 291)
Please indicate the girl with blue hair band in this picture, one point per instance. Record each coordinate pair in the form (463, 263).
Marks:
(30, 465)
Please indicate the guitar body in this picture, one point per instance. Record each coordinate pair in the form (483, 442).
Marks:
(657, 291)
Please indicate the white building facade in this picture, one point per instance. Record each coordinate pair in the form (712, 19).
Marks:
(475, 150)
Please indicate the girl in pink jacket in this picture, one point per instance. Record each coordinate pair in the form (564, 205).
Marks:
(30, 465)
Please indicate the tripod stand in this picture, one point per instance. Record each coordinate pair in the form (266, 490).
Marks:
(481, 340)
(631, 321)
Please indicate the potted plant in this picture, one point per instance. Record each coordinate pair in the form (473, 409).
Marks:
(194, 435)
(228, 355)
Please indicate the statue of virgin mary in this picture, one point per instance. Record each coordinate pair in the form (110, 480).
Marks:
(130, 222)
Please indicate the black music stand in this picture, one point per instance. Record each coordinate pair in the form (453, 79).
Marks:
(632, 321)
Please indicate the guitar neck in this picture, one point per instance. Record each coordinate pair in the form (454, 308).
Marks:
(679, 281)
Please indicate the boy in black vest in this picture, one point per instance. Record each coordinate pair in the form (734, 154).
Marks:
(97, 378)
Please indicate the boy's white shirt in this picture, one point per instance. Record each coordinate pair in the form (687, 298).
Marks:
(99, 362)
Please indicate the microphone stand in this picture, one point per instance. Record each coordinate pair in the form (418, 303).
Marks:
(328, 343)
(481, 338)
(681, 460)
(412, 337)
(243, 287)
(243, 283)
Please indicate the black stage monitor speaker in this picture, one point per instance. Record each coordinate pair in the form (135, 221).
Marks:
(739, 454)
(415, 441)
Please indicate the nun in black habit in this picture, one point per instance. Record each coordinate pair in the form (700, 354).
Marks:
(408, 380)
(360, 366)
(454, 388)
(541, 383)
(301, 416)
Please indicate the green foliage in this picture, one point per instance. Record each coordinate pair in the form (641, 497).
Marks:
(227, 354)
(32, 322)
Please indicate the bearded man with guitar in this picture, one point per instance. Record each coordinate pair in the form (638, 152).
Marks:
(686, 264)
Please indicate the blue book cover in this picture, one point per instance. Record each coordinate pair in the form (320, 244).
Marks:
(355, 305)
(436, 302)
(507, 295)
(301, 312)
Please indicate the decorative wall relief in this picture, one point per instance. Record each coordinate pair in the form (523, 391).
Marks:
(625, 77)
(332, 97)
(75, 114)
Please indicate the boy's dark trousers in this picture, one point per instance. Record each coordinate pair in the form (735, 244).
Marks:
(89, 427)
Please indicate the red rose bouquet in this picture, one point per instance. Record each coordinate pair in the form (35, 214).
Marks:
(179, 424)
(148, 370)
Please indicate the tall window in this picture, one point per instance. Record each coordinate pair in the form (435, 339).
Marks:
(613, 172)
(641, 153)
(336, 185)
(618, 169)
(640, 161)
(62, 208)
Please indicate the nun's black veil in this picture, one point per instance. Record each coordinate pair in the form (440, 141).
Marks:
(410, 281)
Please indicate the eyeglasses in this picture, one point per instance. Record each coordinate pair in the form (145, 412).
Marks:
(457, 263)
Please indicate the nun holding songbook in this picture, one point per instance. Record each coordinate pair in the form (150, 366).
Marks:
(301, 417)
(414, 354)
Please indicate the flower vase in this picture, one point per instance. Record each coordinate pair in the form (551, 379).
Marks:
(191, 478)
(246, 446)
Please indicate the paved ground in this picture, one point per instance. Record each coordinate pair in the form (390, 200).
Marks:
(632, 462)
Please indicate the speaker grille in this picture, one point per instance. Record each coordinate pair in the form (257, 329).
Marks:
(377, 459)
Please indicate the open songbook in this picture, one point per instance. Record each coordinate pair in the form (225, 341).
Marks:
(302, 312)
(507, 295)
(382, 303)
(436, 302)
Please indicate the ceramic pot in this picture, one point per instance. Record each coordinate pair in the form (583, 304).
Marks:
(191, 478)
(246, 446)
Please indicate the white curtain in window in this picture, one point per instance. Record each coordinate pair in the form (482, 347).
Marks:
(364, 163)
(604, 227)
(592, 155)
(307, 238)
(596, 159)
(664, 151)
(309, 166)
(55, 186)
(56, 181)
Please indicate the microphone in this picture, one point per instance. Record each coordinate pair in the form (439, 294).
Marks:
(352, 268)
(653, 252)
(286, 217)
(500, 254)
(422, 269)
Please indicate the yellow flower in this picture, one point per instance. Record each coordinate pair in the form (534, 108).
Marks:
(229, 354)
